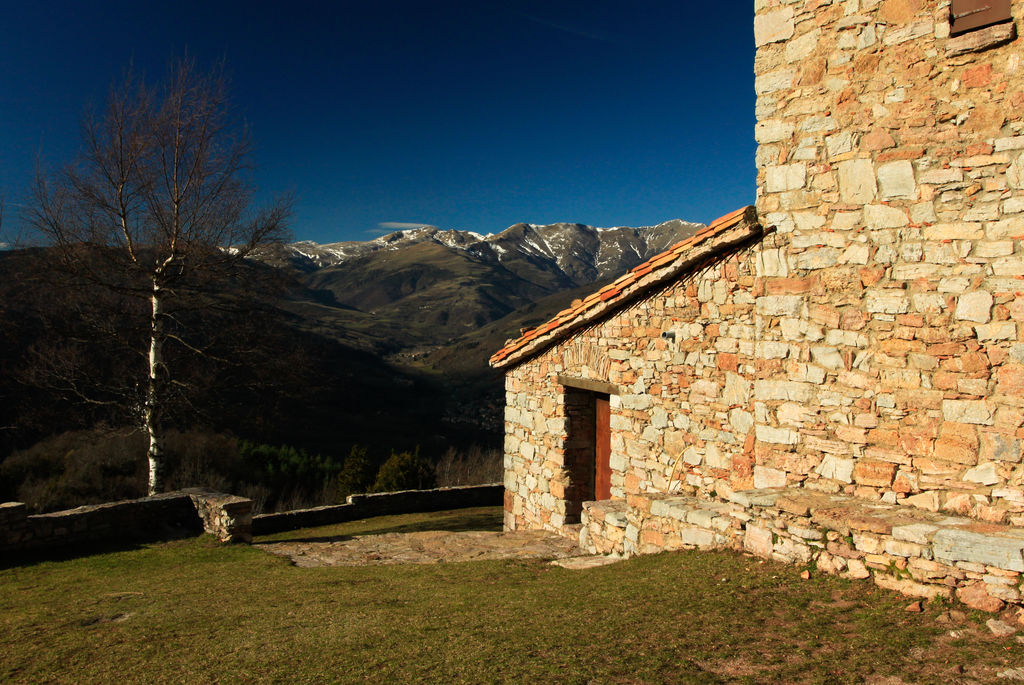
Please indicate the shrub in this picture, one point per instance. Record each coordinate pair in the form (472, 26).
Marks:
(405, 471)
(357, 474)
(475, 466)
(287, 464)
(76, 468)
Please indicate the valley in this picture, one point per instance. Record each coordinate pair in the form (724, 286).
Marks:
(379, 345)
(411, 295)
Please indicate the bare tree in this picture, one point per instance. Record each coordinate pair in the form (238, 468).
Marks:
(157, 204)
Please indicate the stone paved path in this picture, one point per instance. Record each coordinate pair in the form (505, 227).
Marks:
(428, 547)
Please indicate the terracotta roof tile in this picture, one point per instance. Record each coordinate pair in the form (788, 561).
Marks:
(622, 279)
(664, 259)
(733, 229)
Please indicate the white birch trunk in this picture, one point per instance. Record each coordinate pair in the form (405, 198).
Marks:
(156, 344)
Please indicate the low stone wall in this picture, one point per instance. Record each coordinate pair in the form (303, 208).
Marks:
(380, 504)
(197, 510)
(229, 517)
(918, 553)
(148, 519)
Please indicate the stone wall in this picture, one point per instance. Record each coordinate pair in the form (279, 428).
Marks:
(131, 521)
(870, 346)
(916, 552)
(228, 517)
(198, 510)
(891, 162)
(381, 504)
(681, 412)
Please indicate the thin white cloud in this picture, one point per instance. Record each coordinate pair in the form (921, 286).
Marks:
(400, 225)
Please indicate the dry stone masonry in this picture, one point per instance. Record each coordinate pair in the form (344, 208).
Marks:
(848, 389)
(159, 517)
(199, 510)
(889, 160)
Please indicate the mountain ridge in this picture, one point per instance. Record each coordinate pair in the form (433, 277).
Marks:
(439, 302)
(412, 291)
(527, 238)
(388, 347)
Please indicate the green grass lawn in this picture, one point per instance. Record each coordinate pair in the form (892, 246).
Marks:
(195, 611)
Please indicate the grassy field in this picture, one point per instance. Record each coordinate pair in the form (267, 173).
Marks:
(195, 611)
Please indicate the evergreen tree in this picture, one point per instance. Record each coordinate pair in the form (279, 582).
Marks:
(405, 471)
(357, 473)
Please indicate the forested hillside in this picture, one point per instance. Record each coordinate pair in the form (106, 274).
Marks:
(379, 349)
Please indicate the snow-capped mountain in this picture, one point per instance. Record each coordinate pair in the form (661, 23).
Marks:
(583, 253)
(444, 299)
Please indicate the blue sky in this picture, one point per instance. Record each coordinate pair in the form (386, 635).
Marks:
(378, 113)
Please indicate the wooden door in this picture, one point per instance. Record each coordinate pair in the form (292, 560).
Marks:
(603, 450)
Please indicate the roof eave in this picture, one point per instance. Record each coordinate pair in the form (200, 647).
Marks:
(659, 271)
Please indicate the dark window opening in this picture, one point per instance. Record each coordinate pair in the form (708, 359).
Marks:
(968, 15)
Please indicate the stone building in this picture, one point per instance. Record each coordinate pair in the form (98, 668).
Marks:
(837, 374)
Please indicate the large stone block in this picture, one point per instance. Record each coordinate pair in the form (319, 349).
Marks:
(765, 477)
(984, 474)
(857, 181)
(942, 176)
(836, 468)
(950, 544)
(909, 32)
(955, 231)
(801, 47)
(839, 144)
(974, 306)
(828, 357)
(773, 27)
(779, 179)
(714, 458)
(773, 131)
(1002, 330)
(886, 301)
(883, 216)
(978, 412)
(1008, 266)
(780, 305)
(911, 588)
(999, 447)
(781, 79)
(776, 436)
(976, 596)
(737, 390)
(793, 391)
(874, 473)
(918, 533)
(772, 262)
(758, 540)
(1005, 229)
(899, 11)
(820, 258)
(896, 180)
(1015, 173)
(697, 537)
